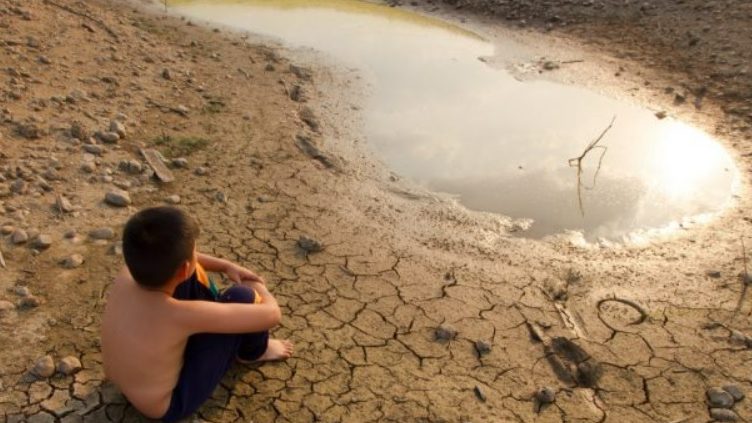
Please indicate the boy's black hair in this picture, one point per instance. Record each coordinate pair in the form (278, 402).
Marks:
(156, 241)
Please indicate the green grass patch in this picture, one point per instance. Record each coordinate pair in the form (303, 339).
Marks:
(181, 146)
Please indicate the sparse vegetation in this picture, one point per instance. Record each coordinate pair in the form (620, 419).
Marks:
(180, 145)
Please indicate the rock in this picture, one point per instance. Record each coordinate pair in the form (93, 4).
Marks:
(307, 116)
(735, 391)
(723, 415)
(6, 307)
(118, 128)
(69, 365)
(181, 109)
(220, 197)
(29, 302)
(21, 291)
(661, 114)
(7, 229)
(718, 398)
(102, 233)
(445, 333)
(180, 162)
(173, 199)
(19, 186)
(482, 348)
(73, 261)
(479, 393)
(550, 65)
(42, 242)
(29, 131)
(19, 236)
(118, 198)
(309, 245)
(715, 274)
(545, 395)
(63, 205)
(201, 171)
(131, 166)
(44, 367)
(556, 288)
(79, 131)
(166, 74)
(108, 137)
(95, 149)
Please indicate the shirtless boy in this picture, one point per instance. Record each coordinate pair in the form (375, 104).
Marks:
(168, 335)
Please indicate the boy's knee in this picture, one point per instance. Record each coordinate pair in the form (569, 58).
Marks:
(238, 294)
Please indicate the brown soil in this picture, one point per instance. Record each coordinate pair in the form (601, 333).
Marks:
(396, 264)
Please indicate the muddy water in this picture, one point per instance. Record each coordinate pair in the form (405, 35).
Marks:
(439, 116)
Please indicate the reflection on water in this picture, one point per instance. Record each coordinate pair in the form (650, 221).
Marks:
(439, 116)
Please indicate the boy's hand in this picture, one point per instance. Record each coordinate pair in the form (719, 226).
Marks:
(239, 274)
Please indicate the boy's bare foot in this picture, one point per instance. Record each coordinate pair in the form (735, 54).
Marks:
(278, 349)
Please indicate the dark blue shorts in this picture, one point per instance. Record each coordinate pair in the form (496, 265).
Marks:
(208, 356)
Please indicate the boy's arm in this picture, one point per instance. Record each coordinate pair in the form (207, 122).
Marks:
(236, 273)
(212, 317)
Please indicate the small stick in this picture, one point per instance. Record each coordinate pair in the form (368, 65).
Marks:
(2, 260)
(84, 15)
(745, 279)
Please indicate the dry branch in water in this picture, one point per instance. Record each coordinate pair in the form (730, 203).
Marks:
(577, 162)
(83, 15)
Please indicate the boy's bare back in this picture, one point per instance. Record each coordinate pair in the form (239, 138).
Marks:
(143, 345)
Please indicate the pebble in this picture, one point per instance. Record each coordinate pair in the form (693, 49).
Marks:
(95, 149)
(73, 261)
(723, 415)
(718, 398)
(173, 199)
(545, 395)
(735, 391)
(102, 233)
(19, 236)
(118, 198)
(715, 274)
(309, 245)
(166, 74)
(30, 302)
(63, 204)
(108, 137)
(44, 367)
(69, 365)
(7, 229)
(131, 166)
(79, 131)
(479, 393)
(482, 348)
(42, 242)
(70, 234)
(118, 128)
(201, 171)
(180, 162)
(661, 114)
(21, 291)
(445, 333)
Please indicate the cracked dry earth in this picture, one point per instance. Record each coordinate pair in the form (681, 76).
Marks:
(413, 310)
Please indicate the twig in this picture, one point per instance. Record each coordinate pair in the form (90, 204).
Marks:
(745, 280)
(630, 303)
(566, 62)
(577, 162)
(2, 260)
(84, 15)
(177, 110)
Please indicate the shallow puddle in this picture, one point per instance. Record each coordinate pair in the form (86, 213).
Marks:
(440, 117)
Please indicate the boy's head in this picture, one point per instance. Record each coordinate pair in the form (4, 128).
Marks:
(157, 242)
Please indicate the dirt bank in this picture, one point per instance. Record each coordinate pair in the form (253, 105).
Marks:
(415, 310)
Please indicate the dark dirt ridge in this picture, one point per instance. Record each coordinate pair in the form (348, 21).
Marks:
(706, 44)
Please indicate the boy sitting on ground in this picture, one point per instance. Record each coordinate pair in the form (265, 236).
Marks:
(168, 335)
